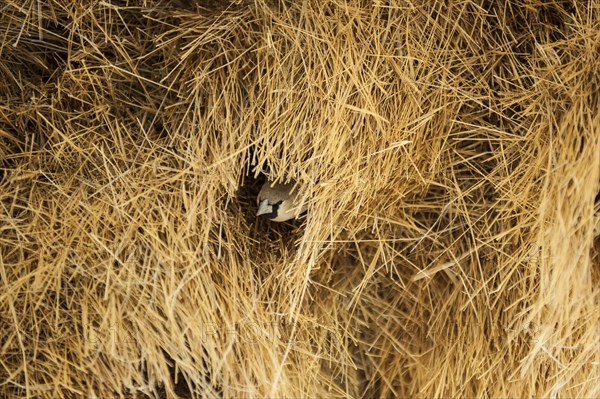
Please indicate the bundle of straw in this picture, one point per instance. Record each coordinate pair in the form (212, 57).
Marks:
(448, 152)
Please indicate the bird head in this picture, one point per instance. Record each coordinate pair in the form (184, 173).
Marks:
(276, 202)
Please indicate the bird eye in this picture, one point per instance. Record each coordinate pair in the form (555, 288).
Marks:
(275, 206)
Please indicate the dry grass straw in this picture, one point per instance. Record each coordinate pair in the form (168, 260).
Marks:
(449, 153)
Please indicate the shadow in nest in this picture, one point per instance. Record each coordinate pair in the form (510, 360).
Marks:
(267, 234)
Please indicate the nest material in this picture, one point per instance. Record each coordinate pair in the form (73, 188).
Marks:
(449, 153)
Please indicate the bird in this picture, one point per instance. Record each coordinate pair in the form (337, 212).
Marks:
(276, 202)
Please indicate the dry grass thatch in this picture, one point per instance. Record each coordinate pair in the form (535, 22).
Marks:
(449, 153)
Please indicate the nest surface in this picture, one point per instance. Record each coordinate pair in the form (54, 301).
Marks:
(448, 152)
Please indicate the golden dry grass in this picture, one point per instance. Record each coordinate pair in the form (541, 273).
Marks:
(449, 153)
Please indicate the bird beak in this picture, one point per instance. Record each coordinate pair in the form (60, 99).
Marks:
(264, 208)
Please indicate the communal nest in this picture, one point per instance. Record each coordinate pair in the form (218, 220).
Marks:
(448, 152)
